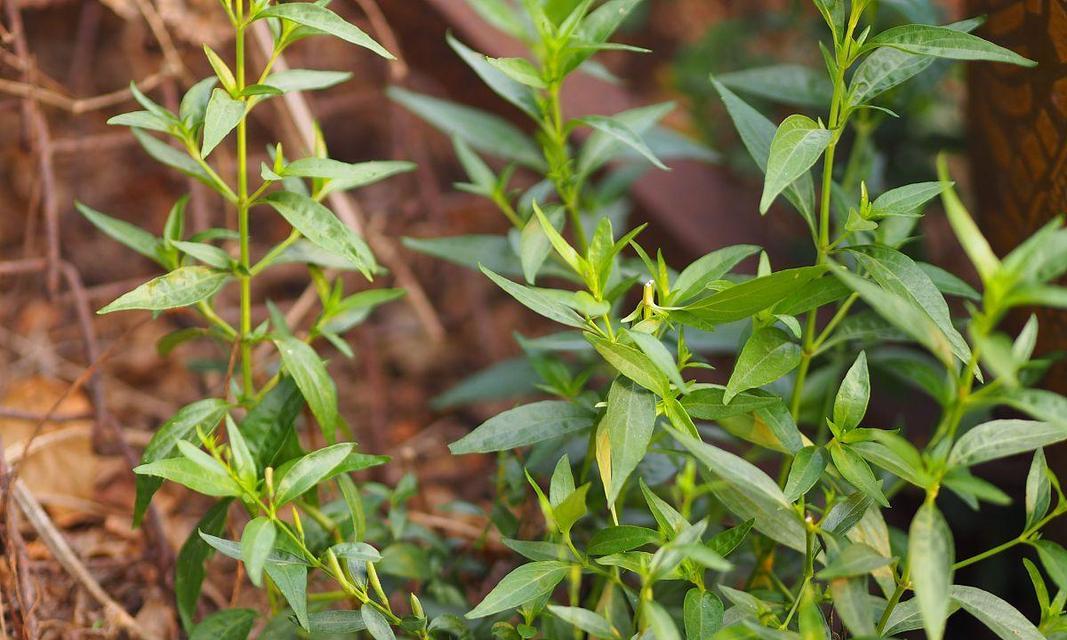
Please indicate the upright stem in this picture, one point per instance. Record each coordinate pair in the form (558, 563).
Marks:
(559, 166)
(243, 203)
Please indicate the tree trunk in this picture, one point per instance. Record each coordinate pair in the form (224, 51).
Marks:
(1018, 125)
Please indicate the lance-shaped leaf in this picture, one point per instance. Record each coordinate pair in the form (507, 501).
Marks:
(897, 273)
(592, 623)
(931, 554)
(305, 79)
(318, 17)
(1000, 617)
(315, 384)
(906, 200)
(629, 420)
(900, 313)
(854, 469)
(526, 583)
(622, 132)
(747, 298)
(222, 116)
(850, 404)
(944, 42)
(525, 425)
(602, 146)
(228, 624)
(757, 133)
(970, 237)
(196, 470)
(785, 83)
(1003, 438)
(797, 145)
(182, 287)
(483, 131)
(189, 565)
(257, 542)
(202, 413)
(695, 278)
(319, 225)
(165, 154)
(806, 469)
(887, 67)
(748, 492)
(496, 79)
(542, 301)
(309, 470)
(130, 235)
(768, 354)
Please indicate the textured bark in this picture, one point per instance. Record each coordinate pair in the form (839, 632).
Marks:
(1018, 121)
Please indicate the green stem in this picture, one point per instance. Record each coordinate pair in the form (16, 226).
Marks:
(245, 275)
(894, 600)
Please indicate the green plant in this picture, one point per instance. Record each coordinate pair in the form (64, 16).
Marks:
(244, 447)
(661, 504)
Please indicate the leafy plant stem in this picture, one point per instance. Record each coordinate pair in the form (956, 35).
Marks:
(894, 599)
(559, 165)
(245, 274)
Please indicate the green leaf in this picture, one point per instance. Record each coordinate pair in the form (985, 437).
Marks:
(974, 243)
(810, 622)
(189, 565)
(931, 554)
(377, 626)
(309, 470)
(268, 425)
(747, 298)
(659, 355)
(623, 133)
(702, 614)
(130, 235)
(1000, 617)
(748, 492)
(539, 300)
(620, 538)
(630, 419)
(659, 621)
(1054, 558)
(633, 364)
(210, 255)
(944, 42)
(592, 623)
(757, 133)
(182, 425)
(850, 405)
(526, 583)
(886, 68)
(854, 469)
(501, 14)
(853, 604)
(707, 403)
(905, 201)
(344, 176)
(503, 76)
(792, 84)
(1003, 438)
(899, 274)
(601, 146)
(768, 354)
(291, 579)
(523, 426)
(319, 225)
(228, 624)
(182, 287)
(257, 542)
(165, 154)
(141, 120)
(222, 116)
(853, 560)
(194, 102)
(336, 621)
(806, 469)
(197, 470)
(900, 313)
(534, 244)
(305, 79)
(318, 17)
(695, 278)
(483, 131)
(1038, 489)
(314, 382)
(797, 145)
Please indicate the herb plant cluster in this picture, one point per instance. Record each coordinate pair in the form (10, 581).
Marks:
(673, 507)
